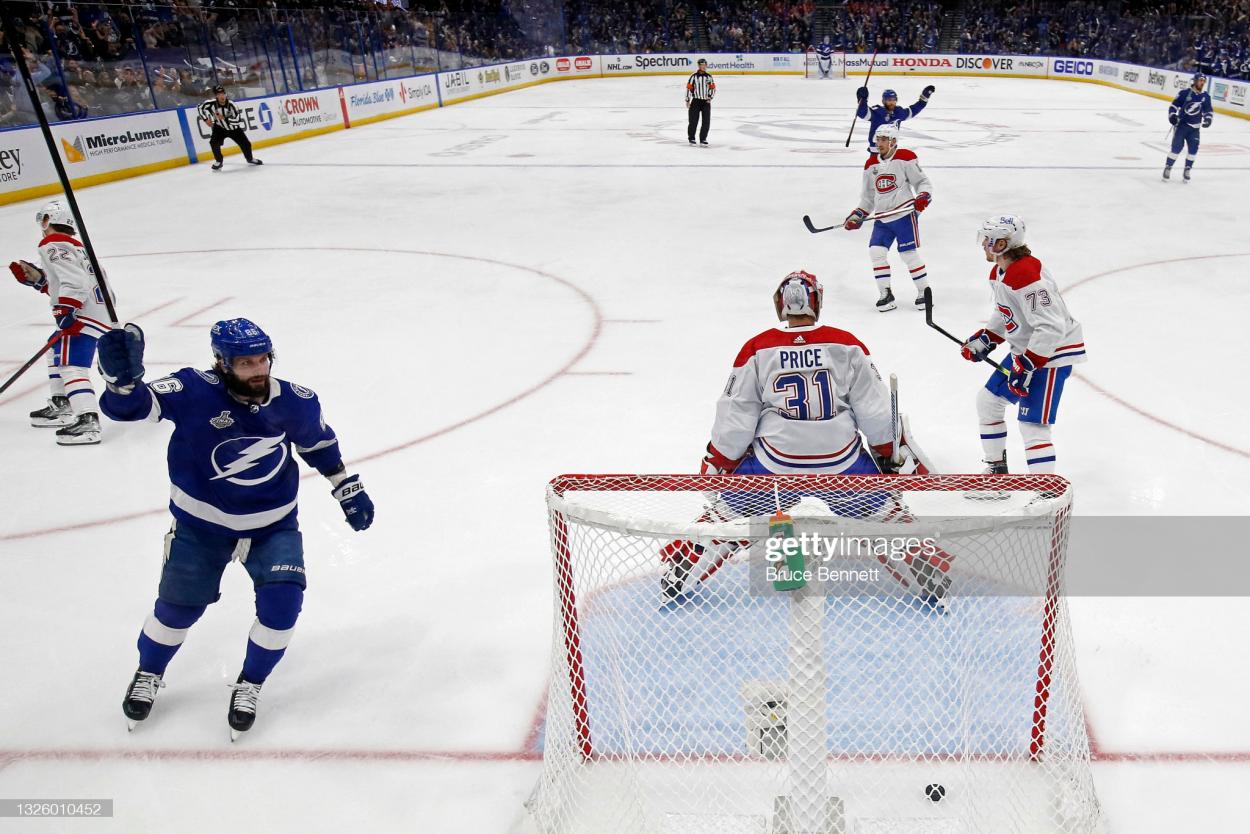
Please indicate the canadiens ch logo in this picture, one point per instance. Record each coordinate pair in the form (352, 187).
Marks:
(886, 183)
(222, 420)
(261, 457)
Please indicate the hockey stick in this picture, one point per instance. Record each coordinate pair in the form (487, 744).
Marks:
(900, 209)
(928, 319)
(855, 116)
(30, 362)
(894, 418)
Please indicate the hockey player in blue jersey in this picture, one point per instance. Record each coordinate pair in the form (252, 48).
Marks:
(888, 111)
(233, 495)
(824, 58)
(1189, 112)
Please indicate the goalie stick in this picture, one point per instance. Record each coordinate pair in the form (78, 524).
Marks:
(901, 209)
(928, 319)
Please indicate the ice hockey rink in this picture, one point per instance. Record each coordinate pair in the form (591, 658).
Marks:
(552, 280)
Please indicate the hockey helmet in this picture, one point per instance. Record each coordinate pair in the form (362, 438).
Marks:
(798, 294)
(55, 212)
(233, 338)
(1008, 227)
(1198, 76)
(888, 94)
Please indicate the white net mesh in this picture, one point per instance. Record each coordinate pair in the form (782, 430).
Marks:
(921, 679)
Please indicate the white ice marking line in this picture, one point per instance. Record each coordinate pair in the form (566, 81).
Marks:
(634, 165)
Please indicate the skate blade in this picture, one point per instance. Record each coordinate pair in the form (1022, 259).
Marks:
(81, 440)
(887, 308)
(51, 424)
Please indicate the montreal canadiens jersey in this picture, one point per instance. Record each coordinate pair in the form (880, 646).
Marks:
(1030, 314)
(231, 465)
(71, 281)
(1191, 106)
(888, 183)
(799, 396)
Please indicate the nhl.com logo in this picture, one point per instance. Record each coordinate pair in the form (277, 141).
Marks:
(886, 183)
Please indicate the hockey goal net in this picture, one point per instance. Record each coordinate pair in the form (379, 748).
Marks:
(928, 645)
(836, 67)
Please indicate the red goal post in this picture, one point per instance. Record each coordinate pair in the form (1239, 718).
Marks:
(735, 705)
(811, 66)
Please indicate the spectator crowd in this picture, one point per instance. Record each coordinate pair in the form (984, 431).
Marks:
(94, 59)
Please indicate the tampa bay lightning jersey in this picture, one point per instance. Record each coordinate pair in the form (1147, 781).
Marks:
(877, 115)
(231, 465)
(1191, 106)
(824, 50)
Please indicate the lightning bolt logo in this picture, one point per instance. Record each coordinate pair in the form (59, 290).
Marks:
(253, 451)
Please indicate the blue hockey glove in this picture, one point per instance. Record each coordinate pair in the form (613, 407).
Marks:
(65, 315)
(351, 495)
(1206, 119)
(1174, 118)
(980, 345)
(120, 355)
(1022, 369)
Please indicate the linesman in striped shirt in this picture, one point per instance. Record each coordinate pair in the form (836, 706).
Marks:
(227, 122)
(700, 90)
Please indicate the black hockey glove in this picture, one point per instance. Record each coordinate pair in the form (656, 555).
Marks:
(926, 92)
(1206, 119)
(1174, 118)
(862, 94)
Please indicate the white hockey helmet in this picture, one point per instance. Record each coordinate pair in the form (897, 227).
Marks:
(1008, 227)
(887, 131)
(798, 294)
(55, 212)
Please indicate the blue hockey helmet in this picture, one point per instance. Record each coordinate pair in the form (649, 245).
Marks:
(889, 94)
(233, 338)
(1198, 76)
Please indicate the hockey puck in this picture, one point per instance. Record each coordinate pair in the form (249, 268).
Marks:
(935, 792)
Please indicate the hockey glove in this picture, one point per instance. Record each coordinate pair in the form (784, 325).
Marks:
(351, 495)
(29, 274)
(1174, 118)
(120, 355)
(922, 201)
(1022, 369)
(883, 456)
(862, 94)
(66, 318)
(980, 345)
(926, 92)
(1206, 119)
(715, 463)
(854, 220)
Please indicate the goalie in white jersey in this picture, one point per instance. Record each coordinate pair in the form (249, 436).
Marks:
(81, 316)
(895, 190)
(799, 396)
(1045, 342)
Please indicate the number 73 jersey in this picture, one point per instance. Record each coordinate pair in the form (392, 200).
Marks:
(798, 397)
(1032, 317)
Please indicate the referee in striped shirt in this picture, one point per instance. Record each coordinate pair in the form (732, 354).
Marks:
(227, 122)
(700, 90)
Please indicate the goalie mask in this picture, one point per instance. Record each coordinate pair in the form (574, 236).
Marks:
(55, 212)
(799, 294)
(1006, 227)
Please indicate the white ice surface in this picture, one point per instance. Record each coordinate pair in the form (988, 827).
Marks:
(551, 281)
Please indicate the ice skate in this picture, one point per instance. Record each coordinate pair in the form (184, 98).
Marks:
(55, 414)
(242, 712)
(140, 696)
(886, 301)
(84, 431)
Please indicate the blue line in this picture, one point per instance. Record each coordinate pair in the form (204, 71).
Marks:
(192, 156)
